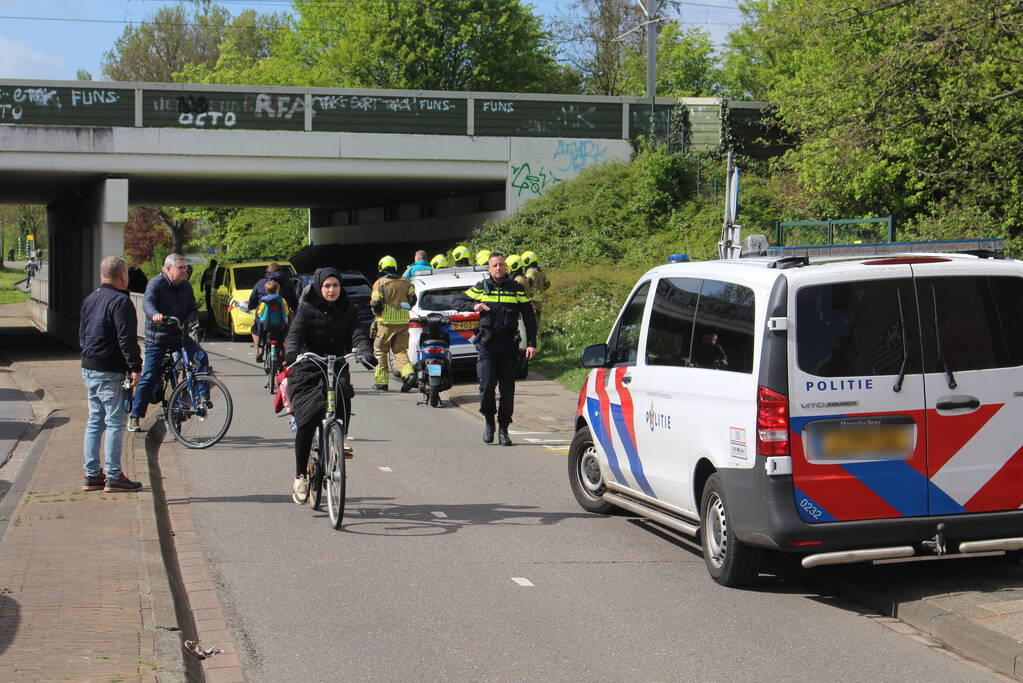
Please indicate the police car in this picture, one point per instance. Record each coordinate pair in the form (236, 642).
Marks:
(436, 291)
(836, 409)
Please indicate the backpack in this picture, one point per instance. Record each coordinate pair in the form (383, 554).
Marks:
(273, 312)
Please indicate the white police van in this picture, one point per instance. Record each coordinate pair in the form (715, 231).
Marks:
(436, 291)
(842, 409)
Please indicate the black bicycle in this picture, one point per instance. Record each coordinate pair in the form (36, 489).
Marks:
(273, 358)
(326, 465)
(199, 409)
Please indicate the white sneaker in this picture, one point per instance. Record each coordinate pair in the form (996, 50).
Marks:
(300, 489)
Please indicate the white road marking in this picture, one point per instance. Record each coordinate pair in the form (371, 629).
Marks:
(512, 431)
(546, 440)
(557, 449)
(521, 581)
(438, 513)
(384, 469)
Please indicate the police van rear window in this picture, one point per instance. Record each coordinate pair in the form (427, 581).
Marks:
(440, 299)
(857, 328)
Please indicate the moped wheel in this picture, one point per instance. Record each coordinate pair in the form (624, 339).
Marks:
(434, 397)
(335, 476)
(199, 423)
(314, 472)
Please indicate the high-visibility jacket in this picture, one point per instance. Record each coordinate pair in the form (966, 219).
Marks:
(392, 292)
(539, 282)
(507, 301)
(527, 286)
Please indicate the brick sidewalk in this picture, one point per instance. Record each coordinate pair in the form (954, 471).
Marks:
(83, 590)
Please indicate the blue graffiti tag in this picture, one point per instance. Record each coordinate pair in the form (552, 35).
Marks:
(578, 154)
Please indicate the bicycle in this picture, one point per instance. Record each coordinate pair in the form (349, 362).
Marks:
(326, 464)
(193, 420)
(273, 355)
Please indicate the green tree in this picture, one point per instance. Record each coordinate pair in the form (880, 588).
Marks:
(256, 232)
(912, 108)
(172, 39)
(687, 65)
(597, 39)
(427, 44)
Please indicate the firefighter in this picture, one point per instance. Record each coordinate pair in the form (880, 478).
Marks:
(538, 284)
(461, 256)
(516, 273)
(439, 261)
(482, 257)
(391, 300)
(500, 301)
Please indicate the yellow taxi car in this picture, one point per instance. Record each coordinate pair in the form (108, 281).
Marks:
(232, 285)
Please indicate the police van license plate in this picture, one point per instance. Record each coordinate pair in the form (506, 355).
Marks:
(434, 369)
(464, 325)
(887, 437)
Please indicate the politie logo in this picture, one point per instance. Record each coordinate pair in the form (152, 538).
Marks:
(655, 419)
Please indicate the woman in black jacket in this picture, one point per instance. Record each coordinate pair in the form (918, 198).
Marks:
(325, 323)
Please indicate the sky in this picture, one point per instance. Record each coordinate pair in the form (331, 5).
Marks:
(53, 39)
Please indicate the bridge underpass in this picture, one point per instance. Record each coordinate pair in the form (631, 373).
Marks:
(379, 170)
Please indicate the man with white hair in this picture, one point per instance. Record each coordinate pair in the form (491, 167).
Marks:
(169, 294)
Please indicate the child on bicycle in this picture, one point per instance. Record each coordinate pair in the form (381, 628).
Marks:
(271, 317)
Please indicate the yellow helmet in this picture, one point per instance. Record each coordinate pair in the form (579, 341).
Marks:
(482, 257)
(387, 262)
(439, 261)
(460, 252)
(514, 262)
(528, 258)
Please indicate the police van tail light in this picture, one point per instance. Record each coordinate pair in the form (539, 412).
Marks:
(416, 325)
(772, 423)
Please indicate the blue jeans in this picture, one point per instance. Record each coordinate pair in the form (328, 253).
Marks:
(152, 379)
(106, 414)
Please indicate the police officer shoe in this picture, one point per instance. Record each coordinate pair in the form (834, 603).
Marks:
(488, 431)
(502, 436)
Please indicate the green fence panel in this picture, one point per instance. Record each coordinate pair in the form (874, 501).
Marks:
(548, 118)
(386, 114)
(705, 124)
(639, 119)
(48, 106)
(223, 110)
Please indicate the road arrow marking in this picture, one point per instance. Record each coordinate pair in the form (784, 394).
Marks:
(384, 469)
(522, 582)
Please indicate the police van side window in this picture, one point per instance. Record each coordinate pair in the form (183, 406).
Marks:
(971, 322)
(723, 334)
(625, 342)
(849, 329)
(670, 333)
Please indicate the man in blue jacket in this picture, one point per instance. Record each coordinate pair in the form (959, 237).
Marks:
(169, 294)
(420, 264)
(110, 350)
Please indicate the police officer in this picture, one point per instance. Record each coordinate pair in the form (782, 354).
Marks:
(538, 284)
(500, 301)
(461, 256)
(390, 302)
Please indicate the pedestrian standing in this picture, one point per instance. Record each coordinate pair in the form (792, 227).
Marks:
(110, 351)
(390, 302)
(500, 301)
(420, 264)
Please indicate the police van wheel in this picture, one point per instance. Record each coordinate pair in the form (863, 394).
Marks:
(729, 561)
(584, 474)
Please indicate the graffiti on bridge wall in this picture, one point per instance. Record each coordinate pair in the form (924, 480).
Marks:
(531, 178)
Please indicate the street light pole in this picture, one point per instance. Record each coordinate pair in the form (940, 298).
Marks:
(651, 53)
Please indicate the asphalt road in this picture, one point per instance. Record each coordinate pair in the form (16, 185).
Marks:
(463, 561)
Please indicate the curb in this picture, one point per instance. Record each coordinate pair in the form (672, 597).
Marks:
(996, 650)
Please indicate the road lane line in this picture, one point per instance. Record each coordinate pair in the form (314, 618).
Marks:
(521, 581)
(385, 469)
(557, 449)
(438, 513)
(547, 440)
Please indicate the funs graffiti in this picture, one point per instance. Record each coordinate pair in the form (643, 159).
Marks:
(577, 154)
(15, 103)
(368, 103)
(525, 180)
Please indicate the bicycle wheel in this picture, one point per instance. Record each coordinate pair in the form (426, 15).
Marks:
(314, 471)
(335, 475)
(275, 367)
(195, 424)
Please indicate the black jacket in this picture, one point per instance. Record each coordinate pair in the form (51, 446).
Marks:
(286, 291)
(108, 331)
(507, 301)
(323, 328)
(170, 300)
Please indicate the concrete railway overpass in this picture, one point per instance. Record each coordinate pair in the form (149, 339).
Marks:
(372, 166)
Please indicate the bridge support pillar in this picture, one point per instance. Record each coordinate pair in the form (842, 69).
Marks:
(83, 227)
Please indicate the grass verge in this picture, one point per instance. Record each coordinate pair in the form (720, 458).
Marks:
(9, 294)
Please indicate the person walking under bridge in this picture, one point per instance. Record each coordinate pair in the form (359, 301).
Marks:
(391, 300)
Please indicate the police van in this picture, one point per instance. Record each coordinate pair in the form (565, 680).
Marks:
(436, 291)
(837, 409)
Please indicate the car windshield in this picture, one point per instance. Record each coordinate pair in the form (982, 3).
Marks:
(246, 277)
(355, 285)
(440, 299)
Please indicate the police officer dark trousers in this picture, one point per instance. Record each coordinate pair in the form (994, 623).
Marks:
(500, 301)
